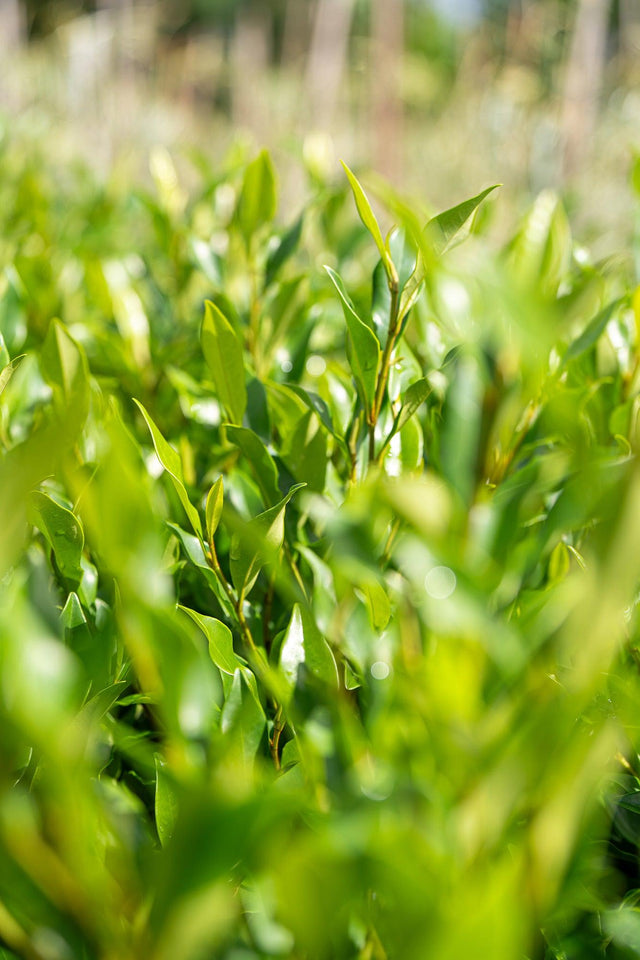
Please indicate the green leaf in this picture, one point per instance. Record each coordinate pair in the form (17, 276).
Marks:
(411, 291)
(405, 449)
(257, 543)
(623, 926)
(170, 460)
(369, 220)
(72, 614)
(413, 398)
(207, 260)
(166, 802)
(540, 254)
(62, 530)
(100, 704)
(593, 331)
(64, 368)
(378, 605)
(220, 640)
(304, 451)
(213, 510)
(281, 253)
(7, 371)
(223, 352)
(318, 405)
(193, 548)
(242, 718)
(304, 645)
(351, 680)
(559, 563)
(364, 346)
(462, 422)
(442, 229)
(258, 201)
(260, 460)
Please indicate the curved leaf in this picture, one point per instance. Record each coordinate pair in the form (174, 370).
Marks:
(170, 460)
(219, 638)
(364, 346)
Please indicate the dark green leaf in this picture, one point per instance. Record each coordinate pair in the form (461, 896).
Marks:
(260, 460)
(280, 254)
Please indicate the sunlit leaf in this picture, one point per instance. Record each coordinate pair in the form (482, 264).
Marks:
(364, 352)
(219, 638)
(170, 460)
(223, 353)
(257, 203)
(62, 531)
(305, 647)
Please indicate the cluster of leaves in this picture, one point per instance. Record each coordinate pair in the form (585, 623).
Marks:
(318, 627)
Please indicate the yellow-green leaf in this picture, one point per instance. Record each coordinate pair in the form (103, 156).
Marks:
(369, 220)
(170, 460)
(223, 352)
(213, 509)
(364, 346)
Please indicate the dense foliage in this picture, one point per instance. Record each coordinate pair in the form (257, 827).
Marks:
(318, 627)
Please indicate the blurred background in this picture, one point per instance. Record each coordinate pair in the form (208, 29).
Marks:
(441, 97)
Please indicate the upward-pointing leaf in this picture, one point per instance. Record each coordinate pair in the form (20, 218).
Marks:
(64, 367)
(304, 646)
(170, 460)
(258, 543)
(242, 716)
(593, 331)
(7, 371)
(413, 397)
(369, 220)
(260, 459)
(166, 802)
(281, 253)
(364, 346)
(214, 507)
(223, 353)
(257, 203)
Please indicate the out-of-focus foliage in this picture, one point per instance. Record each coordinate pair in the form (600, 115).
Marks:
(327, 645)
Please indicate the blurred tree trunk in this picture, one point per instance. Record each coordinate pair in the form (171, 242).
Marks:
(387, 48)
(12, 37)
(583, 81)
(296, 31)
(12, 27)
(327, 59)
(629, 18)
(249, 69)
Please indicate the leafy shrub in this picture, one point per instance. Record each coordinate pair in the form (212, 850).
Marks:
(327, 645)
